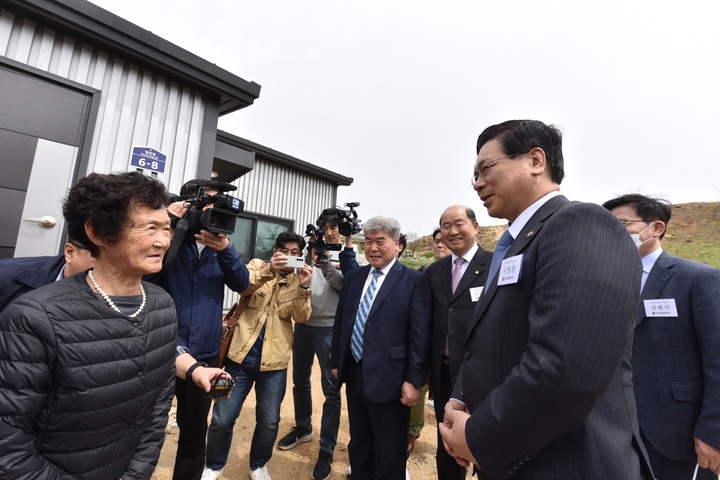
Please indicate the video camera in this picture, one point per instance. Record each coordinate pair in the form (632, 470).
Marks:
(347, 219)
(220, 218)
(316, 242)
(348, 224)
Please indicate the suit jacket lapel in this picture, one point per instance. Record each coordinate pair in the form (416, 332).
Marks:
(656, 281)
(527, 235)
(392, 278)
(445, 268)
(355, 291)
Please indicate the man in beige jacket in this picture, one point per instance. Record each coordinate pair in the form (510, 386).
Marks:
(260, 353)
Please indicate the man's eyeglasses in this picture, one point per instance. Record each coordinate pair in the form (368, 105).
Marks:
(292, 253)
(487, 165)
(625, 222)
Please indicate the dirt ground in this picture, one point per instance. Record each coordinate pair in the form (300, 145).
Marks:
(299, 462)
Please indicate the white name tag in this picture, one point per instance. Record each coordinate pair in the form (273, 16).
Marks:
(510, 270)
(475, 293)
(662, 307)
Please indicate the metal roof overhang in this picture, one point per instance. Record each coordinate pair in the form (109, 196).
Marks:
(282, 159)
(101, 29)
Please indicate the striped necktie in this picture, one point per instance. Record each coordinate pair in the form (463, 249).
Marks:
(356, 343)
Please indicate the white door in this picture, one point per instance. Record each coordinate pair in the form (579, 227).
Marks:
(41, 226)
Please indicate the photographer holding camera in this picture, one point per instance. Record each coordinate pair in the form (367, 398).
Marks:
(313, 339)
(259, 354)
(204, 263)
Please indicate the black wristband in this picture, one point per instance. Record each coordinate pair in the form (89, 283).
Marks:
(188, 374)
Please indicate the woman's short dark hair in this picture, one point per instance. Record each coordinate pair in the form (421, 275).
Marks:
(104, 200)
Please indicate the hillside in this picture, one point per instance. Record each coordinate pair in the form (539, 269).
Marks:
(693, 232)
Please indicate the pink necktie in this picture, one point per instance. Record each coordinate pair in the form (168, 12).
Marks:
(457, 273)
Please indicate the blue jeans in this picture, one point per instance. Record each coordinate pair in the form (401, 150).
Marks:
(269, 393)
(308, 342)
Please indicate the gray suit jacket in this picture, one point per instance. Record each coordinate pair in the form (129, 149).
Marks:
(676, 360)
(547, 375)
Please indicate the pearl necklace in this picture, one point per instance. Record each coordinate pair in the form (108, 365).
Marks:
(109, 300)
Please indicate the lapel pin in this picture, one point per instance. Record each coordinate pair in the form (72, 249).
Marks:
(477, 272)
(530, 233)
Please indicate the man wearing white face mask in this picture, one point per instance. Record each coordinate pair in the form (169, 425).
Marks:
(676, 362)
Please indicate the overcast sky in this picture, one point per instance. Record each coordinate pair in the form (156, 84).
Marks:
(395, 93)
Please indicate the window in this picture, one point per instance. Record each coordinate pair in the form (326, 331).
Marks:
(255, 235)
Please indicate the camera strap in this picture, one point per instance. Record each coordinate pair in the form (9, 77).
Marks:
(180, 229)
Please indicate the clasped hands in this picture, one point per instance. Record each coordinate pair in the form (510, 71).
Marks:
(452, 431)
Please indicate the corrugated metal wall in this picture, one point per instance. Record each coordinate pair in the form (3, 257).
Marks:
(137, 108)
(280, 191)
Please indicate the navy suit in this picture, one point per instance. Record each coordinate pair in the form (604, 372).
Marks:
(676, 360)
(21, 275)
(395, 350)
(547, 376)
(451, 316)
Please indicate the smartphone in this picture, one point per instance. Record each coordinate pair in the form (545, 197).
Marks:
(295, 262)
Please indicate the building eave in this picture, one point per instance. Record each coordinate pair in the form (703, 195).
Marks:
(284, 159)
(88, 23)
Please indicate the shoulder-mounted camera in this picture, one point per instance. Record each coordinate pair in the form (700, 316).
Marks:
(220, 218)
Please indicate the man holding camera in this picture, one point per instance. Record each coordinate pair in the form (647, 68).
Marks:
(314, 338)
(205, 263)
(259, 354)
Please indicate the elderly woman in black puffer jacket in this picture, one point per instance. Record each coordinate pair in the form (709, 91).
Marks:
(87, 364)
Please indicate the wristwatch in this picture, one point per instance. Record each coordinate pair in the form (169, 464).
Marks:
(188, 374)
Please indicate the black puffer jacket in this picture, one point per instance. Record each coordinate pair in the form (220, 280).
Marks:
(84, 391)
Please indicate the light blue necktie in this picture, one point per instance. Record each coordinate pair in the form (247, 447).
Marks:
(500, 250)
(356, 343)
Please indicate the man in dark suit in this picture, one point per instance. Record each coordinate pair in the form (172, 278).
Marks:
(380, 350)
(24, 274)
(676, 353)
(456, 283)
(545, 389)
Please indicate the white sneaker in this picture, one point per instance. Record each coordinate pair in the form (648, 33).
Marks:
(209, 474)
(430, 404)
(260, 474)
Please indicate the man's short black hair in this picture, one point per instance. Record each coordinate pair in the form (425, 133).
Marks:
(289, 237)
(402, 241)
(647, 208)
(435, 233)
(520, 136)
(323, 220)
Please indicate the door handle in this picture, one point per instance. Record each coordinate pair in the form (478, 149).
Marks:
(46, 222)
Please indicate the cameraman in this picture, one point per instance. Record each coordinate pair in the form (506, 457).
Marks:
(196, 280)
(314, 339)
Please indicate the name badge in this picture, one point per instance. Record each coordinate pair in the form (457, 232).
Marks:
(662, 307)
(475, 293)
(509, 271)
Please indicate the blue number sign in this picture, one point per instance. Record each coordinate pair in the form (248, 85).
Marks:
(148, 158)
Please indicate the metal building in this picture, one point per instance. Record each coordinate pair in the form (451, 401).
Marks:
(82, 87)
